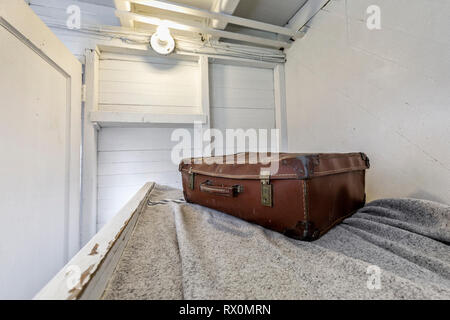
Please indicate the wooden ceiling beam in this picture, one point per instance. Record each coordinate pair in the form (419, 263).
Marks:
(306, 12)
(124, 6)
(194, 27)
(223, 6)
(223, 17)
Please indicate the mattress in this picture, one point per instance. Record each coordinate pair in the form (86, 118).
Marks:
(390, 249)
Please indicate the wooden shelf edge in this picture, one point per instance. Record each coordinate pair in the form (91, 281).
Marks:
(108, 118)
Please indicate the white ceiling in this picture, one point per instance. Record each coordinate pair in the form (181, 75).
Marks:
(204, 4)
(108, 3)
(277, 12)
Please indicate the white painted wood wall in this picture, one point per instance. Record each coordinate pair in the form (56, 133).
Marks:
(55, 12)
(241, 97)
(128, 158)
(384, 92)
(40, 133)
(142, 83)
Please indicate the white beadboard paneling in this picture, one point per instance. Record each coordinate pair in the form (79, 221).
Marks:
(133, 156)
(130, 157)
(63, 4)
(60, 15)
(382, 92)
(143, 63)
(91, 14)
(136, 139)
(135, 83)
(233, 76)
(114, 191)
(241, 97)
(111, 200)
(172, 178)
(136, 88)
(53, 13)
(135, 167)
(151, 57)
(77, 43)
(231, 118)
(168, 110)
(174, 75)
(152, 98)
(108, 193)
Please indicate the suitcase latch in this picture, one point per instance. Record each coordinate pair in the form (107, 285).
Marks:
(191, 179)
(266, 189)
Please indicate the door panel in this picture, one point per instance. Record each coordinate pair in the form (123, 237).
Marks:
(40, 123)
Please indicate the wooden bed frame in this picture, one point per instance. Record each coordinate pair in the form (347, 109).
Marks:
(87, 273)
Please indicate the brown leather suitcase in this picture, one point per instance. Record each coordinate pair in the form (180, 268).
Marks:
(300, 195)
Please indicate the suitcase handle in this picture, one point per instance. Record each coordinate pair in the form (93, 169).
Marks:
(221, 190)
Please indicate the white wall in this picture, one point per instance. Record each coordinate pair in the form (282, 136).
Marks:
(133, 83)
(127, 159)
(241, 97)
(130, 157)
(40, 131)
(54, 14)
(384, 92)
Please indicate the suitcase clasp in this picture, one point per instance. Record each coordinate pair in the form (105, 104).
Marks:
(266, 189)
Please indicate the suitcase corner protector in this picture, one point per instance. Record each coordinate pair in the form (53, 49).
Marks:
(304, 231)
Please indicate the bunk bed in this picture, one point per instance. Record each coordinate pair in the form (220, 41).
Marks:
(159, 247)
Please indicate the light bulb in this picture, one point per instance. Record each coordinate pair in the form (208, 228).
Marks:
(163, 33)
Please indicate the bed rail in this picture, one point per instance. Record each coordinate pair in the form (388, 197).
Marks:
(87, 273)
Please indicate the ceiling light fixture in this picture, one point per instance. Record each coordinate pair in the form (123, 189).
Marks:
(162, 41)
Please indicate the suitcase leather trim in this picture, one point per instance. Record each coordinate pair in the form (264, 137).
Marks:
(309, 166)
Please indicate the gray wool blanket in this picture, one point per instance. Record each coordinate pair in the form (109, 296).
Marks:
(390, 249)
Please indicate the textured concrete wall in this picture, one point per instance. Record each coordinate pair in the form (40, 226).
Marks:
(385, 92)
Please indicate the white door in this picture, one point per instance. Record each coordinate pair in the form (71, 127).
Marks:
(40, 132)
